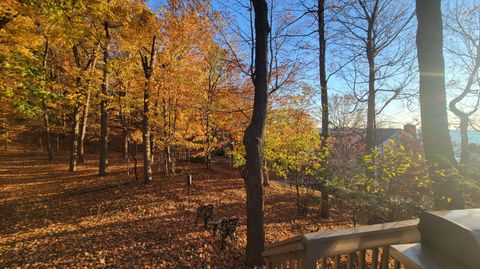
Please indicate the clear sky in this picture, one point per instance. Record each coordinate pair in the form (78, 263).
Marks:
(396, 114)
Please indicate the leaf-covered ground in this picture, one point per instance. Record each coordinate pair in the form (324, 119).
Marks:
(51, 218)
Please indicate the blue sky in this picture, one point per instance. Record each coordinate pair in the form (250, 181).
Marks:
(395, 115)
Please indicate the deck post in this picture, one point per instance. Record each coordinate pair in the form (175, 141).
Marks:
(385, 257)
(309, 260)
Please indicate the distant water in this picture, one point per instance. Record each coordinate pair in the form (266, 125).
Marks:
(473, 137)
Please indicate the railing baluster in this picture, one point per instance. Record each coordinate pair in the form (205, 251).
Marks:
(363, 264)
(375, 258)
(350, 260)
(338, 262)
(268, 263)
(325, 263)
(385, 257)
(397, 264)
(310, 249)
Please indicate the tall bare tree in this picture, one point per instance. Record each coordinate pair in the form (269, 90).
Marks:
(44, 103)
(253, 140)
(102, 168)
(322, 42)
(147, 65)
(463, 27)
(433, 103)
(82, 65)
(86, 107)
(376, 30)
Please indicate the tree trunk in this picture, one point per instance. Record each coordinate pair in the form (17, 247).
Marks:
(436, 136)
(166, 152)
(83, 129)
(44, 105)
(65, 133)
(47, 131)
(166, 126)
(370, 50)
(252, 141)
(173, 160)
(102, 169)
(465, 153)
(147, 65)
(135, 161)
(324, 98)
(126, 133)
(125, 146)
(207, 157)
(207, 139)
(74, 138)
(147, 164)
(6, 136)
(462, 115)
(152, 147)
(322, 70)
(85, 110)
(266, 174)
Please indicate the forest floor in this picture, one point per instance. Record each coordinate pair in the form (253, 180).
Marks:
(50, 218)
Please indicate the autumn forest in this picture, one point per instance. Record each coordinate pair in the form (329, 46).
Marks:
(194, 133)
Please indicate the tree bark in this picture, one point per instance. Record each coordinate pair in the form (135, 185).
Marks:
(464, 151)
(433, 106)
(132, 151)
(48, 139)
(207, 140)
(147, 65)
(167, 158)
(370, 50)
(252, 141)
(324, 98)
(152, 147)
(167, 154)
(44, 105)
(464, 116)
(147, 161)
(85, 110)
(74, 139)
(125, 146)
(83, 128)
(266, 174)
(436, 136)
(102, 169)
(5, 129)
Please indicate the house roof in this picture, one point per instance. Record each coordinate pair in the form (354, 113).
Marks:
(384, 134)
(381, 134)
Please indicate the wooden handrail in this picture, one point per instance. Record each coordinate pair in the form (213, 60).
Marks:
(306, 249)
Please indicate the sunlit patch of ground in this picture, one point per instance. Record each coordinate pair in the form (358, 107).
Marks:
(50, 217)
